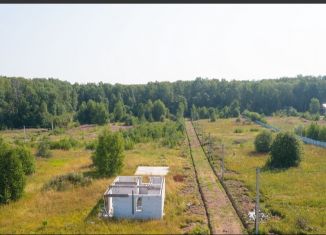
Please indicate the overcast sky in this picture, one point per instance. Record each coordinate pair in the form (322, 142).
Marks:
(142, 43)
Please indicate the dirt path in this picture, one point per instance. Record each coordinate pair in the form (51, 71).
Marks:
(222, 216)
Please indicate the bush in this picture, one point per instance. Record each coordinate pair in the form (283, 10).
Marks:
(27, 159)
(129, 143)
(65, 144)
(57, 131)
(238, 130)
(91, 145)
(64, 182)
(108, 156)
(263, 141)
(199, 230)
(171, 133)
(313, 131)
(12, 177)
(253, 116)
(43, 149)
(286, 151)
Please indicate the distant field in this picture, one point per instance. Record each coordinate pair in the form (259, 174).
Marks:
(294, 199)
(289, 123)
(75, 210)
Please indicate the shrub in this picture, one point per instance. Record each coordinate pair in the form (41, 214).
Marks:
(253, 116)
(91, 145)
(26, 158)
(263, 141)
(64, 182)
(57, 131)
(254, 129)
(199, 230)
(65, 144)
(314, 106)
(12, 178)
(238, 130)
(108, 156)
(43, 149)
(286, 151)
(129, 143)
(170, 133)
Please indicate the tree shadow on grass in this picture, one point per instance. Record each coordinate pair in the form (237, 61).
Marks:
(256, 154)
(95, 210)
(269, 168)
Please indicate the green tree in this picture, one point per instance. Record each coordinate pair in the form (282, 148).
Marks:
(148, 110)
(314, 106)
(119, 111)
(43, 149)
(108, 156)
(194, 113)
(93, 113)
(212, 114)
(12, 177)
(180, 110)
(312, 131)
(159, 110)
(26, 158)
(235, 109)
(263, 141)
(286, 151)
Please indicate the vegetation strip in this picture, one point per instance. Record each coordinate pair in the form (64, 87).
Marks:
(221, 214)
(199, 187)
(303, 138)
(240, 215)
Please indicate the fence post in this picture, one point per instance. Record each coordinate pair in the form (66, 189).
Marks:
(257, 202)
(222, 176)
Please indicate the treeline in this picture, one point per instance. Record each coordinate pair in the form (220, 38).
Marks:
(41, 102)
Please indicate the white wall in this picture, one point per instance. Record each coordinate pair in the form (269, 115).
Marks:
(152, 207)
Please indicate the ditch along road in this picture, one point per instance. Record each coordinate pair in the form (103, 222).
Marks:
(222, 217)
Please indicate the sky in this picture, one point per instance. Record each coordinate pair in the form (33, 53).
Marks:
(139, 43)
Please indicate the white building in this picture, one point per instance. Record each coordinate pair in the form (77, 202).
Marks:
(130, 197)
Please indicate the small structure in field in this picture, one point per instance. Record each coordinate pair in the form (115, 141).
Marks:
(131, 197)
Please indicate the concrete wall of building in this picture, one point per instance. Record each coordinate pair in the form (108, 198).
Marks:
(152, 207)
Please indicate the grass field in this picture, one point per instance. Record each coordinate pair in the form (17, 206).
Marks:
(289, 123)
(294, 199)
(76, 210)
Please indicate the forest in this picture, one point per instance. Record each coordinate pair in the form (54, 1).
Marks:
(43, 102)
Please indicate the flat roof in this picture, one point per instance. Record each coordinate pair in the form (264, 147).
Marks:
(152, 170)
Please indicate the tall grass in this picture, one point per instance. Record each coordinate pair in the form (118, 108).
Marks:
(294, 199)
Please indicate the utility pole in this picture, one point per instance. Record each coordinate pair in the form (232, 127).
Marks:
(257, 201)
(52, 124)
(222, 162)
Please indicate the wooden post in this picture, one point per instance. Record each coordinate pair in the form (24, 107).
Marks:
(257, 202)
(52, 125)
